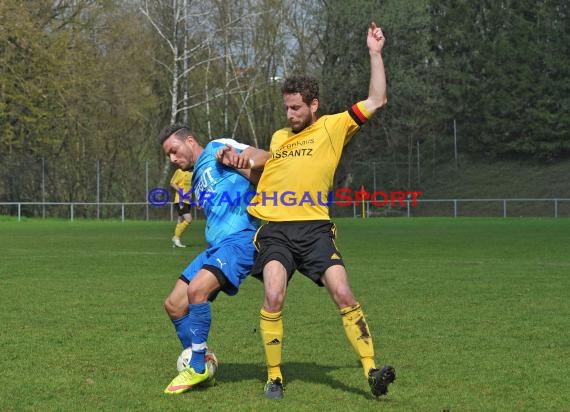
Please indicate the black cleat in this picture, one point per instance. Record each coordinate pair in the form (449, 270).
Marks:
(380, 379)
(273, 389)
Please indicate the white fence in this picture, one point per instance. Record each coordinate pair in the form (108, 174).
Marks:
(423, 208)
(513, 207)
(90, 210)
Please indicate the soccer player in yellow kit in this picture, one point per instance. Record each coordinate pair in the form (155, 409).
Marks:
(181, 180)
(292, 197)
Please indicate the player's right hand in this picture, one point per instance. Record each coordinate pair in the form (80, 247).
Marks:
(228, 156)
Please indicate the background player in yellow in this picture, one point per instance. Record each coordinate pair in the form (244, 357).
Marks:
(301, 236)
(181, 180)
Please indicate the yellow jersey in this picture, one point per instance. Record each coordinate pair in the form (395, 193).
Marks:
(183, 180)
(297, 179)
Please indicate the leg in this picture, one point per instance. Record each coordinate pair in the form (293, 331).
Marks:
(182, 224)
(275, 285)
(356, 328)
(202, 285)
(176, 305)
(200, 315)
(271, 325)
(336, 281)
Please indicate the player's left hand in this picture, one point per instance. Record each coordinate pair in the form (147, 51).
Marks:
(375, 39)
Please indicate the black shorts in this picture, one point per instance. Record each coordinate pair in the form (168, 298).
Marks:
(185, 209)
(306, 246)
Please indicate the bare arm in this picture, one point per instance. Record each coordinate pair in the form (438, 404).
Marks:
(250, 158)
(249, 162)
(377, 90)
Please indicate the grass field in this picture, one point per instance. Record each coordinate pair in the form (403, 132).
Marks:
(473, 313)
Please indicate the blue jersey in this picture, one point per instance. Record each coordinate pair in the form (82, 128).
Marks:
(223, 194)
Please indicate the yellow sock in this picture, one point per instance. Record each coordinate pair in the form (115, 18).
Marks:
(181, 228)
(358, 334)
(271, 327)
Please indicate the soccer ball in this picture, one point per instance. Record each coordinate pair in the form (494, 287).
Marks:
(212, 362)
(184, 359)
(186, 355)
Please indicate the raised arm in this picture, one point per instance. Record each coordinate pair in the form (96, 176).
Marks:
(377, 90)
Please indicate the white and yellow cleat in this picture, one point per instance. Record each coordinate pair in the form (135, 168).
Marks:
(176, 242)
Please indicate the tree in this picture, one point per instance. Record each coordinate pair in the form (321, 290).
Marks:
(70, 96)
(505, 68)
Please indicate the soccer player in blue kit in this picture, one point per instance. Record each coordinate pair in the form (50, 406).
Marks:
(222, 193)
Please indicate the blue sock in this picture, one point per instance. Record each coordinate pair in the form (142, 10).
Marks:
(200, 319)
(182, 327)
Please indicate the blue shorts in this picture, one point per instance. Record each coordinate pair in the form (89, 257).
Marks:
(230, 261)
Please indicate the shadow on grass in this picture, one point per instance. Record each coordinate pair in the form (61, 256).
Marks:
(309, 372)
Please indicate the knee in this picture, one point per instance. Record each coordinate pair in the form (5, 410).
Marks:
(275, 282)
(173, 309)
(196, 294)
(273, 301)
(343, 297)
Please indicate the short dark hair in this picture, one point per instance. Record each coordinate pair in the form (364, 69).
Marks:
(306, 86)
(179, 131)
